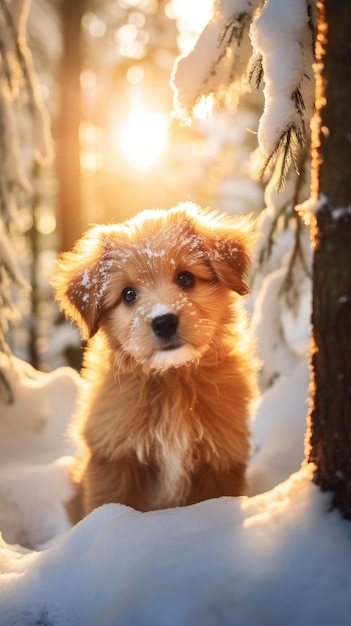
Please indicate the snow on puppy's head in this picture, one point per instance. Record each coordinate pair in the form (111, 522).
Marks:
(159, 285)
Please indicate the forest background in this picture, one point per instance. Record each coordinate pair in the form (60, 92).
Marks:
(103, 73)
(116, 148)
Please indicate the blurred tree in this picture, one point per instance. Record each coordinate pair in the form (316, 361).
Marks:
(128, 49)
(24, 136)
(67, 139)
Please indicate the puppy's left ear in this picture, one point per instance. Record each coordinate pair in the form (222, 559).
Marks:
(228, 242)
(80, 280)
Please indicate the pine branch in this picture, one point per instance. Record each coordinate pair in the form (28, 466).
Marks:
(232, 33)
(234, 30)
(266, 251)
(287, 150)
(5, 65)
(297, 253)
(311, 27)
(21, 58)
(11, 48)
(256, 72)
(7, 397)
(297, 261)
(299, 102)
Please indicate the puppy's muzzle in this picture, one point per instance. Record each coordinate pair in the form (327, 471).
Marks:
(165, 326)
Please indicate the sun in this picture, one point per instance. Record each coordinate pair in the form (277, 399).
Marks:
(142, 139)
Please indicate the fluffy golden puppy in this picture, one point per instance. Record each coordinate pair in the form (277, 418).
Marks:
(169, 367)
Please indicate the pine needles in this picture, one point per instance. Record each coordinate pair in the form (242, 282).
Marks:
(291, 140)
(256, 71)
(286, 153)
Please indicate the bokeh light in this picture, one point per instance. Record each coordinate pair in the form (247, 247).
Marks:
(191, 19)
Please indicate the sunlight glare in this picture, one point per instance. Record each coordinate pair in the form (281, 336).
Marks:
(191, 18)
(204, 107)
(143, 138)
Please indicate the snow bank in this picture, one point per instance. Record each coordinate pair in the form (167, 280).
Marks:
(35, 454)
(278, 558)
(279, 431)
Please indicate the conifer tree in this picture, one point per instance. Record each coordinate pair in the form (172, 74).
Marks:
(19, 99)
(330, 416)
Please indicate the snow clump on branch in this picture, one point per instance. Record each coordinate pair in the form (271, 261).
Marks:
(246, 43)
(219, 59)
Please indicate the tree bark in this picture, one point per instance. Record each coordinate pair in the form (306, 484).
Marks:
(68, 151)
(330, 414)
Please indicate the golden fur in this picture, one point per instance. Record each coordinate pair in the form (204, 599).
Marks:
(169, 370)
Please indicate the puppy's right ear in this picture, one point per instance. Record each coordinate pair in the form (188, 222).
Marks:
(80, 281)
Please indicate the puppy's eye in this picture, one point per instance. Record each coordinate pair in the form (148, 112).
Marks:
(185, 280)
(129, 295)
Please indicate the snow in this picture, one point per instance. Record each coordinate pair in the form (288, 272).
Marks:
(279, 41)
(308, 209)
(279, 430)
(158, 309)
(278, 556)
(35, 452)
(215, 59)
(341, 212)
(276, 35)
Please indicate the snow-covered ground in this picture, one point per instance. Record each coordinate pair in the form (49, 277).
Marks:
(278, 556)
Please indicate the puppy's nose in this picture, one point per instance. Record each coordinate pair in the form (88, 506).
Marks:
(165, 326)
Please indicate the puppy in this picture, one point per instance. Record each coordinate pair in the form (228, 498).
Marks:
(169, 368)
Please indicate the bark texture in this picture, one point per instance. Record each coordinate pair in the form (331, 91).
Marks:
(330, 415)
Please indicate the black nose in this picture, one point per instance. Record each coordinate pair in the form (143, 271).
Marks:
(165, 326)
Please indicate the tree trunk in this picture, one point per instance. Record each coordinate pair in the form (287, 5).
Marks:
(67, 141)
(330, 415)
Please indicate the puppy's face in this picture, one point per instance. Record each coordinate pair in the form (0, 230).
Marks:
(164, 305)
(158, 285)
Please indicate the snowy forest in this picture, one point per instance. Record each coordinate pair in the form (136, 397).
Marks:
(110, 107)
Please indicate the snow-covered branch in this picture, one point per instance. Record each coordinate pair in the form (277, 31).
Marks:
(219, 61)
(282, 38)
(273, 44)
(19, 93)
